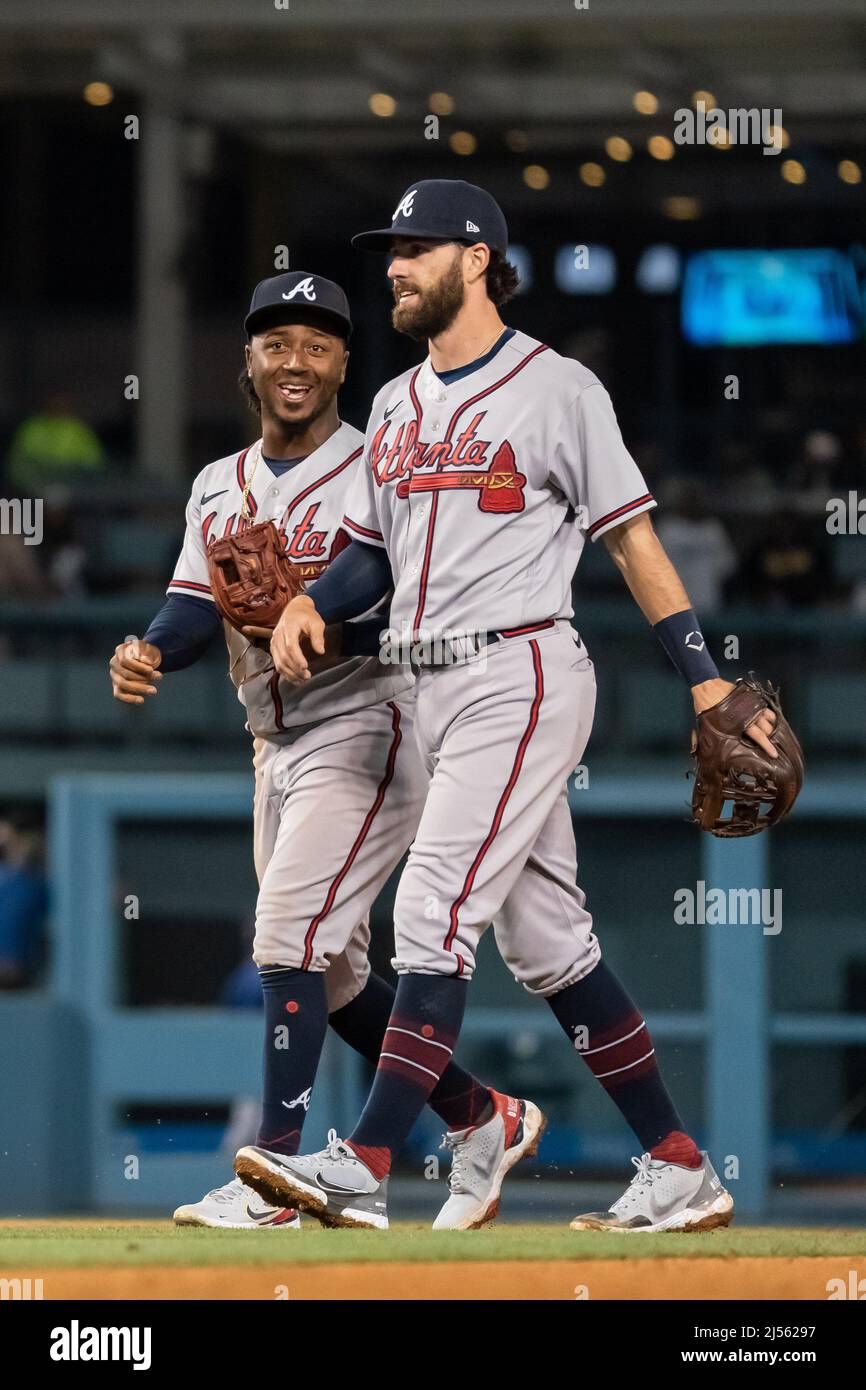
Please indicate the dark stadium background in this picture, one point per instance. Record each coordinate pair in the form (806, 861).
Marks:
(271, 118)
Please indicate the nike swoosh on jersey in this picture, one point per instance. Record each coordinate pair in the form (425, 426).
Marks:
(211, 496)
(389, 413)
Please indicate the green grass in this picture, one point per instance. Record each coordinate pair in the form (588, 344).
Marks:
(49, 1244)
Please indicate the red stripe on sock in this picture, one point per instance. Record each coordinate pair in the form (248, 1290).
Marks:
(623, 1055)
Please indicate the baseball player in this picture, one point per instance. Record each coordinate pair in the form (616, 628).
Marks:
(486, 469)
(339, 784)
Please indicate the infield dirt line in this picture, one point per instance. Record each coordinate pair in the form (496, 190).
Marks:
(804, 1277)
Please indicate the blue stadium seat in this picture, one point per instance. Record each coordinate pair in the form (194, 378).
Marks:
(655, 710)
(88, 706)
(129, 546)
(836, 709)
(187, 702)
(29, 696)
(848, 554)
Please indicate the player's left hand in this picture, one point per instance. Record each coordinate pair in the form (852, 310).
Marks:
(709, 693)
(299, 625)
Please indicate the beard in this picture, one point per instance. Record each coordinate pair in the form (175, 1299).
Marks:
(290, 429)
(436, 308)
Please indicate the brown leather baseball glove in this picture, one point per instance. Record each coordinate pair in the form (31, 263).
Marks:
(251, 577)
(729, 766)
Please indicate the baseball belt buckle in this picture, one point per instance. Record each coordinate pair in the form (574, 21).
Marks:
(450, 651)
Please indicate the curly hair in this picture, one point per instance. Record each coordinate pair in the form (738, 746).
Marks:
(248, 391)
(502, 279)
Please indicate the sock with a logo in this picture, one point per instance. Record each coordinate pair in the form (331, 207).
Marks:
(605, 1027)
(459, 1098)
(421, 1035)
(296, 1018)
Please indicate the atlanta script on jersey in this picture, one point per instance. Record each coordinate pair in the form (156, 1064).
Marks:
(484, 491)
(306, 503)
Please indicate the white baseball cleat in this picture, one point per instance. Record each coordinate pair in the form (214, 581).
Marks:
(236, 1207)
(332, 1185)
(482, 1156)
(665, 1197)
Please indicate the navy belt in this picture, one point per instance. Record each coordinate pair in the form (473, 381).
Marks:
(448, 652)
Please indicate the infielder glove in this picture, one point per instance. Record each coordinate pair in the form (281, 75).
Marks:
(729, 766)
(251, 577)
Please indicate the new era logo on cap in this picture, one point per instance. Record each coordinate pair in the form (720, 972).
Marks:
(443, 210)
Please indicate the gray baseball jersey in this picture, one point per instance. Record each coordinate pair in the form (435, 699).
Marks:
(484, 490)
(307, 504)
(339, 782)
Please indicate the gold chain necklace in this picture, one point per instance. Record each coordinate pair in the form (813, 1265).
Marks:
(256, 453)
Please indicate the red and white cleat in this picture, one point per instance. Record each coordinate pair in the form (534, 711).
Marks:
(482, 1156)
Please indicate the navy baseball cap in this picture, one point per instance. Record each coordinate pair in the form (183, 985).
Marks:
(298, 296)
(446, 208)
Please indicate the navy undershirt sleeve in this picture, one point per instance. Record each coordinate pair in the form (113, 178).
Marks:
(363, 638)
(183, 629)
(354, 582)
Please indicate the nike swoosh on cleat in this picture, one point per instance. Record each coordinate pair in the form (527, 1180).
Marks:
(265, 1216)
(339, 1191)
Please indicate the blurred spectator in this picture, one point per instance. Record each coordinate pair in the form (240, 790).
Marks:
(243, 987)
(697, 543)
(20, 575)
(64, 557)
(818, 470)
(53, 446)
(858, 469)
(789, 567)
(742, 480)
(23, 899)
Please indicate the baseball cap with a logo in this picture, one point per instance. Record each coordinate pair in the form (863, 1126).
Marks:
(298, 296)
(447, 208)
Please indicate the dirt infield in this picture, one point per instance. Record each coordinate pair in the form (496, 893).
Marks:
(711, 1279)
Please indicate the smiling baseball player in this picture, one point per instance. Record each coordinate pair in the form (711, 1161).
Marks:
(486, 469)
(339, 784)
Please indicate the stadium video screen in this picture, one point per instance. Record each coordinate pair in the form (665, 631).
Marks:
(754, 298)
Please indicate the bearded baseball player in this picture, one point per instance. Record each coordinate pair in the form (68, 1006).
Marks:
(485, 471)
(339, 783)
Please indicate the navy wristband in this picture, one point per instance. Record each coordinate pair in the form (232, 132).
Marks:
(682, 639)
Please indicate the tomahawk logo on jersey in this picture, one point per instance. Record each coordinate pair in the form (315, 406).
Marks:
(397, 453)
(306, 503)
(484, 490)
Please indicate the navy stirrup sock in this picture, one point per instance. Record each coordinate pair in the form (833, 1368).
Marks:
(605, 1027)
(422, 1032)
(459, 1098)
(296, 1017)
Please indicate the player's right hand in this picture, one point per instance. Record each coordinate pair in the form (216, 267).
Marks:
(299, 622)
(133, 671)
